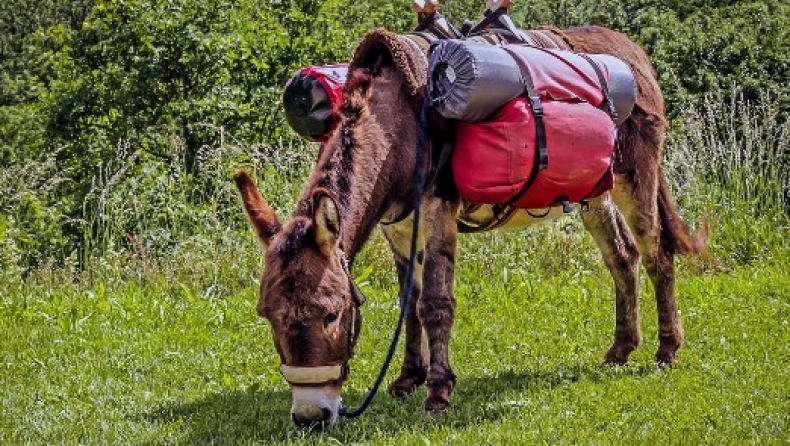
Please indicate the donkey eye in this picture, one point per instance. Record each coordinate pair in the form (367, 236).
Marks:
(330, 319)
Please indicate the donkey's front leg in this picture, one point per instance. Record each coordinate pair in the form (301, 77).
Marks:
(415, 359)
(436, 308)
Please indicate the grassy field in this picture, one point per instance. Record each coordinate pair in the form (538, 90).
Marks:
(158, 360)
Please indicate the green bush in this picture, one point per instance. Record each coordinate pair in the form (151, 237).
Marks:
(741, 44)
(101, 98)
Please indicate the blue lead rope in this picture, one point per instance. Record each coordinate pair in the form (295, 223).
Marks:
(405, 300)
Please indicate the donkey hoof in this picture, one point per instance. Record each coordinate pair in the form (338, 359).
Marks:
(436, 407)
(665, 359)
(405, 385)
(617, 355)
(400, 391)
(665, 355)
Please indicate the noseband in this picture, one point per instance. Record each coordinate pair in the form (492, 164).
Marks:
(322, 375)
(314, 376)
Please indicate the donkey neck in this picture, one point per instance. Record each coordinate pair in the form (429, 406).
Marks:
(367, 163)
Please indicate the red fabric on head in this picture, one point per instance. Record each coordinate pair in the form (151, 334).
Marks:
(331, 77)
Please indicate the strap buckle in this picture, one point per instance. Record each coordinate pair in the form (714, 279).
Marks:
(535, 104)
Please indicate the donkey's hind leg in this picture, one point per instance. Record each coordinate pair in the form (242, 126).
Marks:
(637, 195)
(610, 232)
(639, 203)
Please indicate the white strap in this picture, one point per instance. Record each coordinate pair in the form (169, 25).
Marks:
(311, 375)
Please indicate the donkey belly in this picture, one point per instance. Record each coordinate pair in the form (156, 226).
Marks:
(482, 215)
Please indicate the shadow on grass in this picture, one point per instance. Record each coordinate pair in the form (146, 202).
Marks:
(262, 416)
(485, 398)
(254, 415)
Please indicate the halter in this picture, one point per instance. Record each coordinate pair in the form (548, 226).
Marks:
(317, 376)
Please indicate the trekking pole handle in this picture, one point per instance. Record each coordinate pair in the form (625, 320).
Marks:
(425, 6)
(493, 5)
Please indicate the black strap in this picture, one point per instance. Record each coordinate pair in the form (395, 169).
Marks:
(498, 21)
(541, 149)
(466, 27)
(612, 114)
(427, 22)
(537, 110)
(444, 157)
(490, 17)
(502, 215)
(604, 86)
(543, 215)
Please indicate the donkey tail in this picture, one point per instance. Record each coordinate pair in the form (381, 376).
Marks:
(674, 232)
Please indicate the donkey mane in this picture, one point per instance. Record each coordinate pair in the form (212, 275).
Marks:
(354, 103)
(357, 162)
(355, 94)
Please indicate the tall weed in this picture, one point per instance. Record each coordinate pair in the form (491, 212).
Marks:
(150, 218)
(731, 160)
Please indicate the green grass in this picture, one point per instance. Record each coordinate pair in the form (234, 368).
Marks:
(158, 360)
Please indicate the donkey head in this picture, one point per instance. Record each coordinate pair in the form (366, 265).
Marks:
(310, 301)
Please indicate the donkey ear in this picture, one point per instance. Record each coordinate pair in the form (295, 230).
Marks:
(261, 215)
(326, 221)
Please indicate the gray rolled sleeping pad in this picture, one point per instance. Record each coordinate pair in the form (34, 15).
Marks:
(470, 81)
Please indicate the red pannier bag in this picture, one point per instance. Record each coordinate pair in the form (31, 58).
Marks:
(499, 161)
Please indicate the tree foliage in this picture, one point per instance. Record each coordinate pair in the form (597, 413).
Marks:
(155, 84)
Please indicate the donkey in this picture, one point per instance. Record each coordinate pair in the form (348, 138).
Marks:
(364, 177)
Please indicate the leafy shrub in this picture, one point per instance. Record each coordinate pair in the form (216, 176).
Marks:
(120, 121)
(732, 161)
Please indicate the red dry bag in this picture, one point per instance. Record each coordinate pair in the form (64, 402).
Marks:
(552, 146)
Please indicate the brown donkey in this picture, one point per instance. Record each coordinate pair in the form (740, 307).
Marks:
(365, 177)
